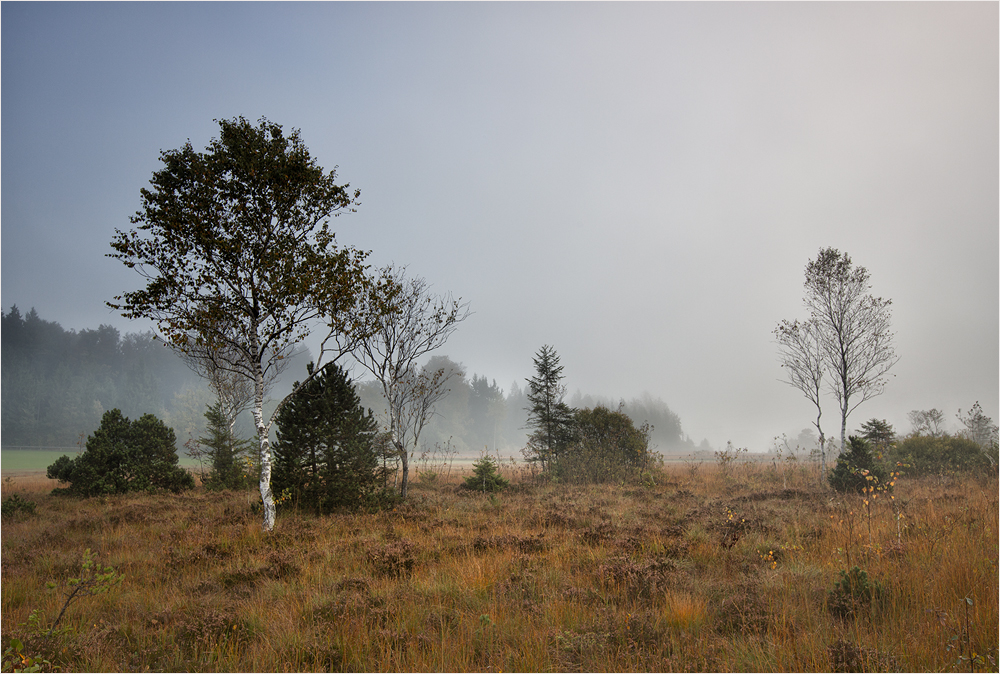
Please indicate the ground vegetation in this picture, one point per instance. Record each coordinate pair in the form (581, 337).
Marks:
(695, 570)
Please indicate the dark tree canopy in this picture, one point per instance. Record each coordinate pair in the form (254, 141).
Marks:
(879, 433)
(326, 454)
(239, 260)
(124, 456)
(858, 469)
(608, 447)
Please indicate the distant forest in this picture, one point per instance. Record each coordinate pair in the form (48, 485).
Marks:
(56, 384)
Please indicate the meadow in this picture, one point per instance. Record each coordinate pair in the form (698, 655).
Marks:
(699, 567)
(17, 461)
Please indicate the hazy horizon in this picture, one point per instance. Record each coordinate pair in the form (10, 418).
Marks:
(639, 185)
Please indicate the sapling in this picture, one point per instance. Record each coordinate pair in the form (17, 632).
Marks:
(94, 579)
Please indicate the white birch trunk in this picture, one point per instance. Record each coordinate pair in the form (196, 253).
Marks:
(265, 469)
(265, 445)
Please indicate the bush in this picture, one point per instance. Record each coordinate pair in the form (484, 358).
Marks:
(608, 447)
(225, 453)
(486, 476)
(15, 505)
(124, 456)
(927, 455)
(858, 468)
(854, 591)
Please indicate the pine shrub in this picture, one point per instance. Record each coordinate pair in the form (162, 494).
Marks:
(486, 476)
(124, 456)
(858, 469)
(327, 456)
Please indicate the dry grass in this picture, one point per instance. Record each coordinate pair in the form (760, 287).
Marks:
(703, 571)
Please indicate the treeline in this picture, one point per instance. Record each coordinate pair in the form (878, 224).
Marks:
(56, 383)
(477, 414)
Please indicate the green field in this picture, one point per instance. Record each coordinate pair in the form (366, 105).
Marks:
(24, 460)
(32, 460)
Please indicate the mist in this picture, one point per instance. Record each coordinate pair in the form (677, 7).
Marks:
(639, 185)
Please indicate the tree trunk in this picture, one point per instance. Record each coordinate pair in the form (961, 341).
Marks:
(843, 427)
(265, 449)
(822, 449)
(404, 457)
(265, 468)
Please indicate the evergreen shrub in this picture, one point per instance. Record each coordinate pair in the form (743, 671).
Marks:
(858, 468)
(124, 456)
(486, 476)
(327, 454)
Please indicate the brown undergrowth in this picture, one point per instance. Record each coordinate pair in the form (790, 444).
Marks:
(701, 571)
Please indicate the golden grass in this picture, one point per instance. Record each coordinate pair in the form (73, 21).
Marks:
(704, 571)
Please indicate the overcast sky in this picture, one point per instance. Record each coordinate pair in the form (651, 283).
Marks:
(638, 185)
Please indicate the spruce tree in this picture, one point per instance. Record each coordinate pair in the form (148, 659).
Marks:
(224, 452)
(551, 418)
(325, 454)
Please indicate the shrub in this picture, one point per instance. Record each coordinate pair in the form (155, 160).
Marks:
(15, 505)
(607, 447)
(486, 476)
(124, 456)
(225, 453)
(858, 468)
(927, 455)
(854, 591)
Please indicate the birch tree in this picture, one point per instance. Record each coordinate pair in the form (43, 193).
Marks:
(801, 351)
(853, 328)
(390, 347)
(240, 263)
(234, 392)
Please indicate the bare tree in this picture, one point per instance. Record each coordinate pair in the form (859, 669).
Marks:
(981, 430)
(801, 352)
(853, 328)
(223, 370)
(390, 346)
(927, 422)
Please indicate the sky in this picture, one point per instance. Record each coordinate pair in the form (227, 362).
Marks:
(639, 185)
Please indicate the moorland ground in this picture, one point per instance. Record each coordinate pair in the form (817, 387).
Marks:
(702, 567)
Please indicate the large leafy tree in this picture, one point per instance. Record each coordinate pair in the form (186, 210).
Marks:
(239, 261)
(124, 456)
(551, 419)
(326, 454)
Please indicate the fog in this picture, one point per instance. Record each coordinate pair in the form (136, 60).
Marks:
(639, 185)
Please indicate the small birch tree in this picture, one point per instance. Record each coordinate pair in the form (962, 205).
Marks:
(853, 328)
(390, 346)
(801, 353)
(239, 261)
